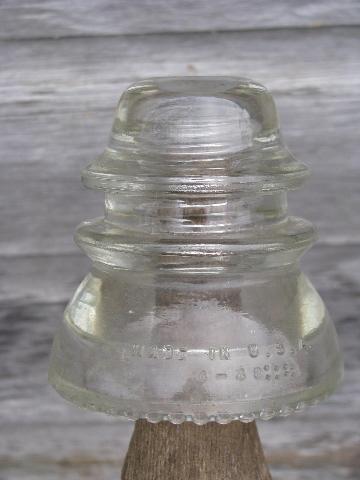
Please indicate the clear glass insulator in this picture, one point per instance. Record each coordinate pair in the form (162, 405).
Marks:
(195, 308)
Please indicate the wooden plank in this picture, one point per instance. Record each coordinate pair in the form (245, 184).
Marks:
(54, 438)
(57, 100)
(81, 75)
(41, 279)
(55, 18)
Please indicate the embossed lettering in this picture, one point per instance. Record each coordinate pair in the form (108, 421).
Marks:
(212, 353)
(253, 349)
(240, 374)
(224, 353)
(257, 373)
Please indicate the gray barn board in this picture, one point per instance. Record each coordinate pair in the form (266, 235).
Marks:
(63, 66)
(25, 19)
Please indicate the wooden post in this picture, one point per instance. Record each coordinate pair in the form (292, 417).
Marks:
(164, 451)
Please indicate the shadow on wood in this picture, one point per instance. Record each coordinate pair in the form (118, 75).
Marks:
(189, 452)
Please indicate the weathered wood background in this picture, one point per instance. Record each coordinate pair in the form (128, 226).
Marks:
(63, 66)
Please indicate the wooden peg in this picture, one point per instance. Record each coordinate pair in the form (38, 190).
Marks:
(191, 452)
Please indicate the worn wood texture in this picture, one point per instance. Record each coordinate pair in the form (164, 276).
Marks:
(192, 452)
(57, 97)
(56, 18)
(57, 100)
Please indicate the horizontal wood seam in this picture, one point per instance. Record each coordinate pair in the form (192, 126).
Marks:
(289, 28)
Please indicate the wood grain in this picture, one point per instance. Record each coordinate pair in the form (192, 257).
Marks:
(57, 100)
(192, 452)
(57, 97)
(56, 18)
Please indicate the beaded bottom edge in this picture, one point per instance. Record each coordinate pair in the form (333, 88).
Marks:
(90, 401)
